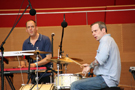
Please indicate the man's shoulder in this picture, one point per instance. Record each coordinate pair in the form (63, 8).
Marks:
(45, 37)
(107, 38)
(26, 40)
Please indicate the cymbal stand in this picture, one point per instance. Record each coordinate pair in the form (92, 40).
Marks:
(58, 66)
(36, 79)
(51, 76)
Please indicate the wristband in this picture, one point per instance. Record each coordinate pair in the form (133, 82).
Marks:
(36, 64)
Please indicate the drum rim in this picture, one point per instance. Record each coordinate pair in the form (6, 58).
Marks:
(69, 74)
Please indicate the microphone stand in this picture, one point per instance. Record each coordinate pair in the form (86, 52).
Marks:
(61, 48)
(52, 74)
(2, 49)
(61, 42)
(63, 24)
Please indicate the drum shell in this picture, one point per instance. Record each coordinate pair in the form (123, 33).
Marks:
(65, 80)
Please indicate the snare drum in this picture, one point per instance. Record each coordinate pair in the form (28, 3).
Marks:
(40, 87)
(64, 81)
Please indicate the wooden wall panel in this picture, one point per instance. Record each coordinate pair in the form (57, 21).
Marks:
(78, 42)
(116, 32)
(128, 37)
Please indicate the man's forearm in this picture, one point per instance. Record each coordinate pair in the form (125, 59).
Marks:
(93, 64)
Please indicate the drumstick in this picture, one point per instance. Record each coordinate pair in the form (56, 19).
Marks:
(79, 73)
(74, 61)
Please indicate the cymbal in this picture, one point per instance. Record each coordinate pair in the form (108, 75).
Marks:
(64, 59)
(58, 61)
(37, 52)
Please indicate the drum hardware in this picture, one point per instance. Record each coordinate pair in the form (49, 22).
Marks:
(58, 87)
(37, 52)
(51, 76)
(36, 79)
(65, 67)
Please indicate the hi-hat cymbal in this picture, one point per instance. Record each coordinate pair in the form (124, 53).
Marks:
(37, 52)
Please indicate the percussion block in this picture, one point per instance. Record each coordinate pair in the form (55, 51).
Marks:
(113, 88)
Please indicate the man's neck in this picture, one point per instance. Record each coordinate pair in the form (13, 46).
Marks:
(34, 37)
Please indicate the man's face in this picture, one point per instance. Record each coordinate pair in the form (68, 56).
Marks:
(31, 29)
(96, 32)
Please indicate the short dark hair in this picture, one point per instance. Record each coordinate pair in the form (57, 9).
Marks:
(33, 21)
(101, 25)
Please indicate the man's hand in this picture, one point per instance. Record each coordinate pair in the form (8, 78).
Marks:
(86, 68)
(23, 64)
(32, 65)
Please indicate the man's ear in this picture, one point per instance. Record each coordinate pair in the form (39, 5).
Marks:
(36, 28)
(103, 29)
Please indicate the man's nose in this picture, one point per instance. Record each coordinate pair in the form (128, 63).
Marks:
(30, 27)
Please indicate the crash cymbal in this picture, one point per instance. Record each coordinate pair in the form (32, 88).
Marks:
(37, 52)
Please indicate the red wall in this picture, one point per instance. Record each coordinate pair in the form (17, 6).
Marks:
(74, 16)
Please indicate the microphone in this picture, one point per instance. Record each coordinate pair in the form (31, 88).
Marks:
(64, 23)
(53, 34)
(32, 11)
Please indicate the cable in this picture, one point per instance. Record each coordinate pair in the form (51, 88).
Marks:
(20, 70)
(18, 13)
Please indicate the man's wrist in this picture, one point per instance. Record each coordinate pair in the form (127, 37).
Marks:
(91, 65)
(36, 64)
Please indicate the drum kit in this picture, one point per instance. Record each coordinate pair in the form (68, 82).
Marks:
(61, 81)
